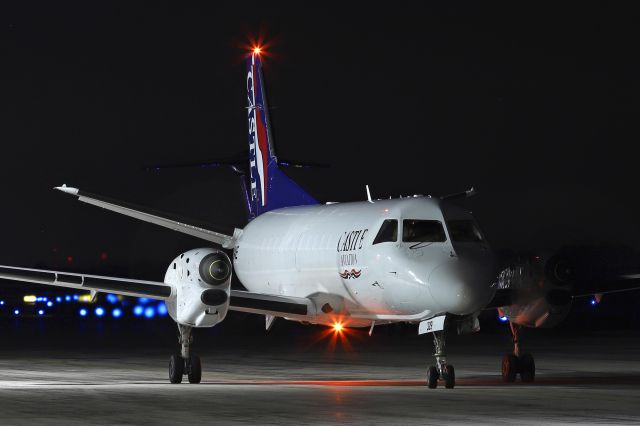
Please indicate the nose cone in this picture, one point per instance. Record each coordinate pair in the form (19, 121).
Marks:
(461, 289)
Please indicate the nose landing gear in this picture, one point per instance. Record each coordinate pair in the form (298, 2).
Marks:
(442, 370)
(516, 363)
(185, 362)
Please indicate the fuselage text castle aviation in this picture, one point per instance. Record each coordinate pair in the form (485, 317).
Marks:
(417, 259)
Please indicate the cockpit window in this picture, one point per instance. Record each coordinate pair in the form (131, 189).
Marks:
(422, 231)
(464, 231)
(388, 232)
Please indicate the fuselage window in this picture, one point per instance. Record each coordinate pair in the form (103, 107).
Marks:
(422, 231)
(464, 231)
(388, 232)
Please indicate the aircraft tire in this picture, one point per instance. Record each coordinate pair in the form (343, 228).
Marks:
(195, 369)
(176, 368)
(449, 377)
(509, 368)
(432, 377)
(527, 368)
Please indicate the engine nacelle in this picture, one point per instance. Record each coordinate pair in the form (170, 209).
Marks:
(201, 279)
(540, 290)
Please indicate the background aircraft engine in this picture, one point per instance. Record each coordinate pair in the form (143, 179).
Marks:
(540, 290)
(202, 282)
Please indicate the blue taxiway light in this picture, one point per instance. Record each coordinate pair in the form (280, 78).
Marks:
(49, 303)
(594, 302)
(16, 312)
(99, 311)
(41, 312)
(112, 298)
(67, 298)
(161, 309)
(76, 297)
(83, 312)
(117, 313)
(58, 299)
(149, 312)
(503, 318)
(1, 302)
(137, 310)
(143, 300)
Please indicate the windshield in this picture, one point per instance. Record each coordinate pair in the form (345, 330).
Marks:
(464, 231)
(422, 231)
(388, 232)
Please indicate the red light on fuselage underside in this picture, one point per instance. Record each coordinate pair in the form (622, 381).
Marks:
(257, 50)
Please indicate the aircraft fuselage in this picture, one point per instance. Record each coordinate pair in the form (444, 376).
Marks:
(327, 253)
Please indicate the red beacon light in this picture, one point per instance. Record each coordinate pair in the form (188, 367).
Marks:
(257, 50)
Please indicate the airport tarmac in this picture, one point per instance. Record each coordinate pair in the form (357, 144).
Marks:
(587, 379)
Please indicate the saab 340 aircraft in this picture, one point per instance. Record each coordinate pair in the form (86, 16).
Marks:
(418, 259)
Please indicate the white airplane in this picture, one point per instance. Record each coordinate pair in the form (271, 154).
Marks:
(418, 259)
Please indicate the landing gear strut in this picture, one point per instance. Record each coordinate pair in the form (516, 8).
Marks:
(516, 363)
(442, 370)
(185, 362)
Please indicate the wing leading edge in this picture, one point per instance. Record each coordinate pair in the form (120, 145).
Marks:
(225, 238)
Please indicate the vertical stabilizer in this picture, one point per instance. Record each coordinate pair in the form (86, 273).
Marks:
(269, 188)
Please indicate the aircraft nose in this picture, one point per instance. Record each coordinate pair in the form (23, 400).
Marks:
(460, 289)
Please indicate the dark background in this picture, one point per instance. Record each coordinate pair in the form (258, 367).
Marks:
(534, 105)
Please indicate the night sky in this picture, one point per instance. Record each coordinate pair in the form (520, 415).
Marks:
(535, 106)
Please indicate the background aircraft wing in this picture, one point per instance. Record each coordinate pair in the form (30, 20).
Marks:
(627, 282)
(93, 283)
(226, 238)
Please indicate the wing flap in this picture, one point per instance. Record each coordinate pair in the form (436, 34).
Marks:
(269, 304)
(123, 286)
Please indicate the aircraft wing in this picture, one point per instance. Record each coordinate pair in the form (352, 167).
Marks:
(226, 239)
(586, 288)
(242, 301)
(628, 282)
(93, 283)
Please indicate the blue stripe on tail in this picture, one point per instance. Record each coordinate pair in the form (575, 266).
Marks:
(269, 188)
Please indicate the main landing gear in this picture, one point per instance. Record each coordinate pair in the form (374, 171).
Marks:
(516, 363)
(185, 362)
(442, 370)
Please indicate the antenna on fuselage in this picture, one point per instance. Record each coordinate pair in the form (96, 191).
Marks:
(368, 194)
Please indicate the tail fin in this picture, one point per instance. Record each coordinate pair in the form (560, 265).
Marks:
(269, 188)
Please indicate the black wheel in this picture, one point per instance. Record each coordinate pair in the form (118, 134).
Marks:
(527, 368)
(432, 377)
(195, 369)
(176, 368)
(449, 377)
(509, 368)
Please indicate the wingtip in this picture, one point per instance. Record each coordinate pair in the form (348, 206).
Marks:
(67, 189)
